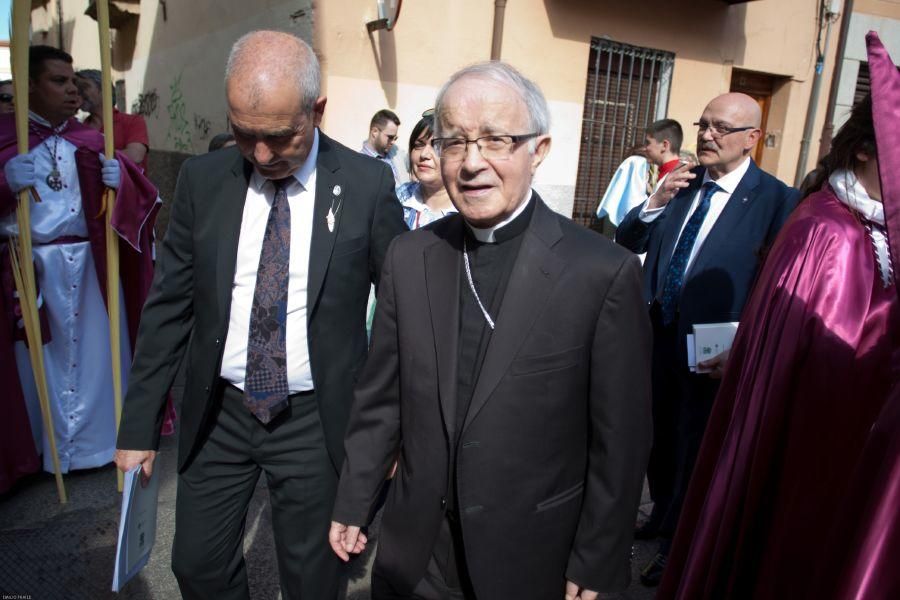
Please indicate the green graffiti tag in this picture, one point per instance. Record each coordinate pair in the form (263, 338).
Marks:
(179, 133)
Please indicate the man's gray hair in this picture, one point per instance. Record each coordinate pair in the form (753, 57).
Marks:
(505, 74)
(304, 64)
(96, 77)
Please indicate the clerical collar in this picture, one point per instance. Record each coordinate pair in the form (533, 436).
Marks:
(507, 229)
(302, 174)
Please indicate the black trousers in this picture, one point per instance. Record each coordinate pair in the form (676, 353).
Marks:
(682, 402)
(446, 577)
(214, 492)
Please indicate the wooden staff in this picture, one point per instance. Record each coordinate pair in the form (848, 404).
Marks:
(20, 245)
(112, 240)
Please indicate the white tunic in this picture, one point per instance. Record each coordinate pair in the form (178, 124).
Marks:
(77, 359)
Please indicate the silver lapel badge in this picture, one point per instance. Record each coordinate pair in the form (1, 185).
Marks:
(329, 218)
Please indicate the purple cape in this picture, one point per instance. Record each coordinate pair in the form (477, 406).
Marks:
(807, 377)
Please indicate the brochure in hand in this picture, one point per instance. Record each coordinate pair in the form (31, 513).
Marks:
(137, 527)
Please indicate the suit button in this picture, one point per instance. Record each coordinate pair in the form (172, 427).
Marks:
(443, 503)
(217, 342)
(206, 389)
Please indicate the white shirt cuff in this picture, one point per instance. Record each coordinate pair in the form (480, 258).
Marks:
(648, 215)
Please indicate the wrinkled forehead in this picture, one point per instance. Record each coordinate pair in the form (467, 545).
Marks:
(476, 104)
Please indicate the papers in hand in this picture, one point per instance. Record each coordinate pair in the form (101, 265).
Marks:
(708, 341)
(137, 527)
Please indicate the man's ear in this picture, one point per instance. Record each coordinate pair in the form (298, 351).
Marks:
(319, 110)
(542, 147)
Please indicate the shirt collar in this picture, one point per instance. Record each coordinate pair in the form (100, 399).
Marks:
(369, 150)
(301, 175)
(668, 167)
(729, 181)
(488, 235)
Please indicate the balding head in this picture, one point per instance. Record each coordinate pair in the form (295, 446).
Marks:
(274, 107)
(264, 62)
(729, 129)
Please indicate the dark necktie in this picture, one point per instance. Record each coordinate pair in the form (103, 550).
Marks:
(671, 291)
(266, 385)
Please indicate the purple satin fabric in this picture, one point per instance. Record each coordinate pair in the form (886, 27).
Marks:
(808, 376)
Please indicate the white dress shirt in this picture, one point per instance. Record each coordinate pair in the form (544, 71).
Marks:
(260, 193)
(727, 184)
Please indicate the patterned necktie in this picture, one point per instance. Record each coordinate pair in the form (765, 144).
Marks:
(266, 385)
(671, 291)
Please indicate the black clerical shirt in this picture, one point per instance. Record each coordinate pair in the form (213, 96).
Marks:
(491, 265)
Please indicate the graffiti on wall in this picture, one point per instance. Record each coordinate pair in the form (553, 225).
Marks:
(146, 104)
(179, 133)
(202, 125)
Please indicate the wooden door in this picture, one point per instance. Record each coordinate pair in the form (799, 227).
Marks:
(758, 86)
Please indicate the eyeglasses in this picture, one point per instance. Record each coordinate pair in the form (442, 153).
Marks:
(6, 97)
(491, 147)
(428, 113)
(718, 130)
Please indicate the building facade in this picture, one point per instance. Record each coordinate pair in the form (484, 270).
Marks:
(607, 68)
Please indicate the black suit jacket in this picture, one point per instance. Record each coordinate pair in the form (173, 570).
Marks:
(190, 301)
(722, 274)
(551, 456)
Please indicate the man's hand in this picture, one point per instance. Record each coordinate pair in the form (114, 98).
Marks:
(677, 180)
(110, 173)
(19, 171)
(574, 592)
(129, 459)
(346, 540)
(714, 367)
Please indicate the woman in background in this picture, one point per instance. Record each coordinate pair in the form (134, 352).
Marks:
(424, 199)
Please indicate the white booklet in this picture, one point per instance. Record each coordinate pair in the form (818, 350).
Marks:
(137, 527)
(708, 341)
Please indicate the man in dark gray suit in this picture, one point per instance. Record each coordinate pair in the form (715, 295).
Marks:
(509, 370)
(262, 279)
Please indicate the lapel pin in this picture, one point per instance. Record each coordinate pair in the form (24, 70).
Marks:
(744, 201)
(330, 217)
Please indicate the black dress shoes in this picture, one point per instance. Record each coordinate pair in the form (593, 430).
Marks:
(652, 572)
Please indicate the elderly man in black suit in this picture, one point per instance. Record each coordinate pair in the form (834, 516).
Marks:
(262, 279)
(509, 371)
(705, 232)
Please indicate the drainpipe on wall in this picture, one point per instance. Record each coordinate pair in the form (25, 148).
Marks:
(827, 15)
(497, 38)
(828, 128)
(59, 16)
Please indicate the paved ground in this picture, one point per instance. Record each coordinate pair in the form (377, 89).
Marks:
(50, 551)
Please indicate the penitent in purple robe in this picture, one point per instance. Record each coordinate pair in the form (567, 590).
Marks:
(807, 377)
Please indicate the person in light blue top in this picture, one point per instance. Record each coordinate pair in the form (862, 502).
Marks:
(425, 199)
(627, 188)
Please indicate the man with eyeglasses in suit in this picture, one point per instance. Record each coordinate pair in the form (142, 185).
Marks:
(508, 377)
(705, 232)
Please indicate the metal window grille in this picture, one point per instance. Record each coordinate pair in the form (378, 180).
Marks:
(863, 84)
(627, 89)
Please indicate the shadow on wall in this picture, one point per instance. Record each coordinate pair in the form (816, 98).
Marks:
(385, 53)
(163, 168)
(702, 30)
